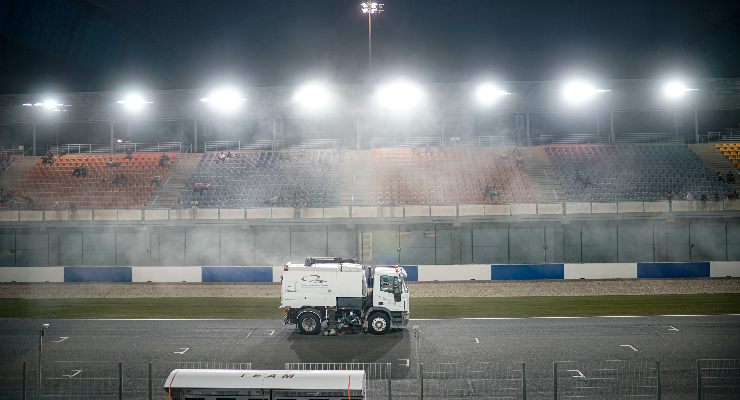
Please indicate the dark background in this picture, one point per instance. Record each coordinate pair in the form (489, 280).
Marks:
(93, 45)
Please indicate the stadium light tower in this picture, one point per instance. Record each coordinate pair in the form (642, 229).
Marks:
(47, 106)
(399, 96)
(487, 94)
(225, 100)
(675, 90)
(370, 8)
(577, 92)
(313, 96)
(134, 102)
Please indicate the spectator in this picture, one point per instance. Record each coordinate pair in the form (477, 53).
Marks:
(689, 196)
(669, 197)
(28, 200)
(129, 153)
(72, 206)
(229, 155)
(730, 177)
(123, 180)
(156, 181)
(164, 160)
(719, 177)
(704, 197)
(194, 203)
(717, 197)
(116, 180)
(57, 206)
(201, 187)
(222, 156)
(733, 195)
(519, 161)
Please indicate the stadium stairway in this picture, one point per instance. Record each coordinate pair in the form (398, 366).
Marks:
(17, 170)
(357, 179)
(716, 161)
(537, 164)
(166, 195)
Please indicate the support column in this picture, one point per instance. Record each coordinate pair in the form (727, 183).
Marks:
(598, 125)
(612, 136)
(112, 132)
(33, 143)
(195, 136)
(696, 126)
(528, 129)
(274, 134)
(358, 132)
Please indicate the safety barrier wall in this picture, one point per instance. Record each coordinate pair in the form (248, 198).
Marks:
(421, 273)
(408, 211)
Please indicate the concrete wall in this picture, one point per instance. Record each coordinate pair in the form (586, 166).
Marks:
(193, 244)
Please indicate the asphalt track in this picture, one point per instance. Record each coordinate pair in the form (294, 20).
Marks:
(677, 341)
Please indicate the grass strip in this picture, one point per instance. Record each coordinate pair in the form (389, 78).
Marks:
(429, 307)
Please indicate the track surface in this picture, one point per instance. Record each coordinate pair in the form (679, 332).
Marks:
(677, 341)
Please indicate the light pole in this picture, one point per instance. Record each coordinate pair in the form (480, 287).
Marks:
(370, 8)
(44, 327)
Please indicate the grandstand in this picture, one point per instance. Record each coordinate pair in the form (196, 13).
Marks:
(382, 176)
(265, 178)
(442, 176)
(632, 172)
(53, 186)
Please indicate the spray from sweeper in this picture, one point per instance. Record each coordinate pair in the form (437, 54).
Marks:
(344, 296)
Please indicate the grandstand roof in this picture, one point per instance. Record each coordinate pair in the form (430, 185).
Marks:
(451, 99)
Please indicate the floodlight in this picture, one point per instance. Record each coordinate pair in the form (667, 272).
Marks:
(488, 93)
(674, 90)
(576, 92)
(371, 7)
(313, 96)
(48, 104)
(134, 102)
(399, 95)
(225, 99)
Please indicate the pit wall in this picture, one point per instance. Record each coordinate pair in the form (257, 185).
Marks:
(421, 273)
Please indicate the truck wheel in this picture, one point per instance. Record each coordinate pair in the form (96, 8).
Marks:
(309, 323)
(379, 323)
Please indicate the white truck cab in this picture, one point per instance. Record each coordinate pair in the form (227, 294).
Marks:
(344, 296)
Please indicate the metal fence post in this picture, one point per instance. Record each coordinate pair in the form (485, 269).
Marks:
(698, 380)
(390, 383)
(657, 369)
(524, 382)
(24, 381)
(150, 381)
(555, 379)
(120, 381)
(421, 381)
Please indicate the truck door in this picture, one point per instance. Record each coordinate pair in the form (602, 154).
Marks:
(385, 292)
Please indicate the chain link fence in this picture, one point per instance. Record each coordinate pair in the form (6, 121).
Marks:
(609, 379)
(718, 379)
(478, 380)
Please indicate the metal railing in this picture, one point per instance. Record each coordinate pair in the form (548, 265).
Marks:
(609, 379)
(79, 148)
(164, 147)
(409, 141)
(718, 379)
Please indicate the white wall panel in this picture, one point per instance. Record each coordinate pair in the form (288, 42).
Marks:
(601, 271)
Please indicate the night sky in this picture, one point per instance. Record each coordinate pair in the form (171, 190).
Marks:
(74, 45)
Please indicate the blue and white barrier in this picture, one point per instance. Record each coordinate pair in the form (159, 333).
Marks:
(422, 273)
(525, 272)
